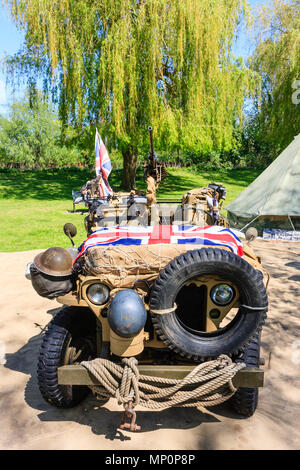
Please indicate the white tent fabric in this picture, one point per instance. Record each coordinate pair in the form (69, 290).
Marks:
(276, 192)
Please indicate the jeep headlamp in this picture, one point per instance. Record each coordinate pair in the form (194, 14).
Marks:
(222, 294)
(98, 293)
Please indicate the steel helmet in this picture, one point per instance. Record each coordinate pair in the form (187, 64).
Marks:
(251, 234)
(55, 262)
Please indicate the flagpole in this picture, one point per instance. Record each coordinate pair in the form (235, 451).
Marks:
(103, 184)
(94, 122)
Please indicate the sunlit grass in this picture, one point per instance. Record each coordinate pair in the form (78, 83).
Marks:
(34, 205)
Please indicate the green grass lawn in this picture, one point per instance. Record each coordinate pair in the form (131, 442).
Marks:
(34, 205)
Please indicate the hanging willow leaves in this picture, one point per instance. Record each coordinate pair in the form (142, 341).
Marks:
(277, 60)
(135, 62)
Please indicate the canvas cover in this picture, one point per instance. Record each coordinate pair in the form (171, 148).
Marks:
(122, 266)
(276, 192)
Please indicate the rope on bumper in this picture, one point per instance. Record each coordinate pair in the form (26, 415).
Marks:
(208, 384)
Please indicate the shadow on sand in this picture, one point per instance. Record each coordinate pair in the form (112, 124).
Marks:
(92, 412)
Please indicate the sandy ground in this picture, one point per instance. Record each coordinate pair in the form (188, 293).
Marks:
(27, 422)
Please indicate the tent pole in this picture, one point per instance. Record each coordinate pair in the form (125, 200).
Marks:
(249, 223)
(291, 223)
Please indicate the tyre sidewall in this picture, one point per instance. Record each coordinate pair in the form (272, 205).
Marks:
(251, 290)
(61, 330)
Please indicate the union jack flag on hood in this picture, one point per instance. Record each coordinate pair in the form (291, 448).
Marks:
(213, 235)
(103, 166)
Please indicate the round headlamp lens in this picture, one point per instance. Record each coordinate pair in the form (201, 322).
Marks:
(222, 294)
(98, 293)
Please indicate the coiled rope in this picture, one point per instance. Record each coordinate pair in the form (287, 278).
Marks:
(208, 384)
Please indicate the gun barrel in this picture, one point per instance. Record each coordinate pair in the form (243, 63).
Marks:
(151, 154)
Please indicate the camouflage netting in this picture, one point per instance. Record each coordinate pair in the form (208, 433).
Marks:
(121, 266)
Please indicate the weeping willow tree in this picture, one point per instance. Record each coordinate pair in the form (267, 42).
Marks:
(277, 60)
(131, 63)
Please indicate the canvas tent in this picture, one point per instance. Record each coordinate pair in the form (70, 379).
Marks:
(273, 199)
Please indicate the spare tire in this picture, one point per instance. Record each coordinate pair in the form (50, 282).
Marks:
(201, 345)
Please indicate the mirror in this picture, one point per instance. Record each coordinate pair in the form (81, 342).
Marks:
(70, 231)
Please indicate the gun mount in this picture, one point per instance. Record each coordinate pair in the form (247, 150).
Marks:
(155, 172)
(153, 167)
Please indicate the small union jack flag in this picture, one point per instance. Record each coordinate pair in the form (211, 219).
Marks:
(103, 166)
(213, 235)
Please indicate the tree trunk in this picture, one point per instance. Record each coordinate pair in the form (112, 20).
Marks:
(129, 169)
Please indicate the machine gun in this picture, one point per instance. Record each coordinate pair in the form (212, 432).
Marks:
(218, 198)
(153, 167)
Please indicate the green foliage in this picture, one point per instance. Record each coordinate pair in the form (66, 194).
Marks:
(130, 63)
(30, 137)
(277, 60)
(255, 151)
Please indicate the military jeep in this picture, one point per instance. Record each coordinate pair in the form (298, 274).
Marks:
(171, 305)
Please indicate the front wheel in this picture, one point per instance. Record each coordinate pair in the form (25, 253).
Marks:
(70, 338)
(245, 400)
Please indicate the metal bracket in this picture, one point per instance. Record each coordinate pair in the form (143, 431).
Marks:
(129, 413)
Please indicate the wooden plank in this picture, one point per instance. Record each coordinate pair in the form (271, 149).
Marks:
(78, 375)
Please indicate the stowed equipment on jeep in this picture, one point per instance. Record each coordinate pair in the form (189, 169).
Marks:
(200, 206)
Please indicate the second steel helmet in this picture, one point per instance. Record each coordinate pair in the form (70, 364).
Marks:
(55, 262)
